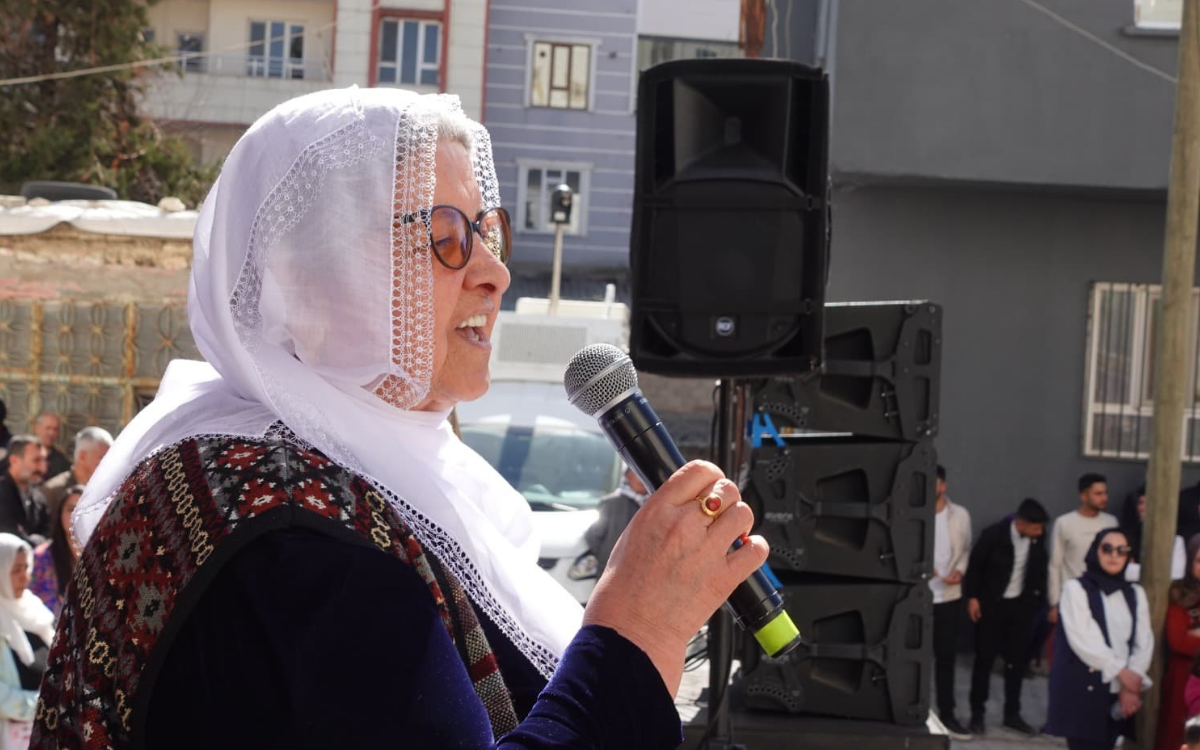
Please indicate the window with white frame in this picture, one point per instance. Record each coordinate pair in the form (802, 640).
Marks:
(188, 47)
(560, 75)
(410, 52)
(653, 50)
(537, 183)
(1158, 14)
(1119, 396)
(276, 50)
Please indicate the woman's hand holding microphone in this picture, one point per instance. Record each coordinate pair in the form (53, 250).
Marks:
(672, 567)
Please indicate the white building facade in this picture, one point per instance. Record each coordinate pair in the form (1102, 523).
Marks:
(562, 109)
(247, 56)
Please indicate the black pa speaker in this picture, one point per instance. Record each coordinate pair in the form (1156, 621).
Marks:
(881, 376)
(730, 241)
(867, 654)
(847, 507)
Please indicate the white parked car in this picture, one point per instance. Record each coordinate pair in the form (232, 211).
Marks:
(562, 468)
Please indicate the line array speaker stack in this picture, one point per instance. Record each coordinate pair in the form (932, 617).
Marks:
(848, 510)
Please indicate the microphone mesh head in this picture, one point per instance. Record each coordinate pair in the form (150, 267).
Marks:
(596, 375)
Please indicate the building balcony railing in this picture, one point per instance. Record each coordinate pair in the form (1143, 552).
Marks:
(235, 90)
(258, 66)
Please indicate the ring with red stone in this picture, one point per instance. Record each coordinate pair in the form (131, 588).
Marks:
(710, 504)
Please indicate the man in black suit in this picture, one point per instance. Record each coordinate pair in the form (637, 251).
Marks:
(22, 509)
(1004, 586)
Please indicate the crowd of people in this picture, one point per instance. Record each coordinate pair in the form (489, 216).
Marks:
(39, 488)
(1072, 603)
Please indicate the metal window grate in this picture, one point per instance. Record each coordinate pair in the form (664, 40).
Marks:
(93, 363)
(1119, 393)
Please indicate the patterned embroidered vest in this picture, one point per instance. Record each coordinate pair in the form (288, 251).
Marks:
(170, 528)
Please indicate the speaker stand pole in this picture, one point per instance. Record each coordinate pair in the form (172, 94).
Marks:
(720, 625)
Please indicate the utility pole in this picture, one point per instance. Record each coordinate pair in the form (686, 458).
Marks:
(561, 205)
(1171, 355)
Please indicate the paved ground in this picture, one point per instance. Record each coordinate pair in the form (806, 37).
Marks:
(1034, 700)
(693, 695)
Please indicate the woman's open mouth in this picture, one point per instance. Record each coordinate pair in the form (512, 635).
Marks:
(474, 329)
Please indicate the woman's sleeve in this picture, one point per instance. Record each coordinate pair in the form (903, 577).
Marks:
(1178, 559)
(1143, 646)
(605, 694)
(1191, 694)
(43, 581)
(1083, 632)
(16, 703)
(1179, 640)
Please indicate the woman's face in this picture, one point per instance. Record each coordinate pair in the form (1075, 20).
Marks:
(1112, 559)
(460, 363)
(20, 575)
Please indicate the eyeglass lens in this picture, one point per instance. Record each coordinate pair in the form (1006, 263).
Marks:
(453, 234)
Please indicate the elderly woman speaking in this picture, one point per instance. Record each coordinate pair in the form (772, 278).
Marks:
(290, 548)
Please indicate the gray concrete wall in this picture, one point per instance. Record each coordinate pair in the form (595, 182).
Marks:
(1012, 270)
(1000, 92)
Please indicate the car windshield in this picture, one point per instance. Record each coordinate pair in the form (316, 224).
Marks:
(555, 468)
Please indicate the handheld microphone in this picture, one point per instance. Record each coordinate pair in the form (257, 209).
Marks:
(602, 383)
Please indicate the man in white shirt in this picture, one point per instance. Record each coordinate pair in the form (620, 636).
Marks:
(1004, 585)
(1073, 534)
(951, 549)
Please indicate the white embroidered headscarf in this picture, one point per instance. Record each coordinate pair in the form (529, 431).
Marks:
(312, 304)
(23, 614)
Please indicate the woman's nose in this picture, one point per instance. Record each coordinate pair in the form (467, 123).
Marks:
(487, 269)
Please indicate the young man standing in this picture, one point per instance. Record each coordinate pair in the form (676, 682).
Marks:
(1073, 534)
(951, 548)
(1004, 585)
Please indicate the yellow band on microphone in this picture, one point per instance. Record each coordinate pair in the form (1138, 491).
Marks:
(778, 636)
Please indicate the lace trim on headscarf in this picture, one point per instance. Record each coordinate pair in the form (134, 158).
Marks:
(412, 272)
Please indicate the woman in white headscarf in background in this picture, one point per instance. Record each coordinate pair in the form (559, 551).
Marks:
(290, 548)
(27, 627)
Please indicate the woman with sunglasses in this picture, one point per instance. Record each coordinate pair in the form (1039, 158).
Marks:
(1101, 651)
(290, 548)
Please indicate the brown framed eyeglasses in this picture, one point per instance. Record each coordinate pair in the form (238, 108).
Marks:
(452, 233)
